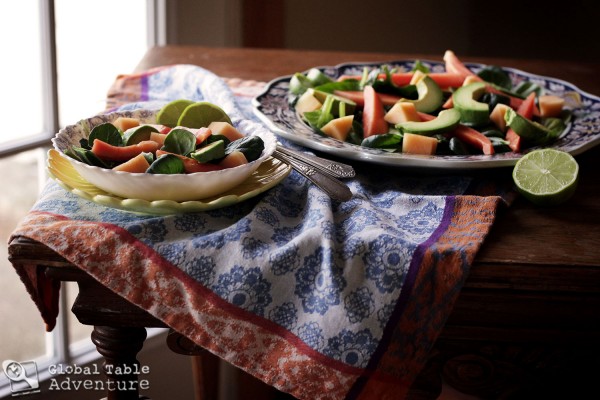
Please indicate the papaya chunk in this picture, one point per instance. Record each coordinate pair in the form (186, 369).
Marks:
(419, 144)
(550, 105)
(109, 152)
(158, 137)
(497, 116)
(137, 164)
(225, 129)
(124, 123)
(402, 112)
(338, 128)
(233, 159)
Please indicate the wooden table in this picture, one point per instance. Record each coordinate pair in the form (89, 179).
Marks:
(527, 319)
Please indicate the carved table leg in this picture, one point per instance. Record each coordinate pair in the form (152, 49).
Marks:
(120, 346)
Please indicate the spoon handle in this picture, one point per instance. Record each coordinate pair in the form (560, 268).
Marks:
(335, 188)
(336, 169)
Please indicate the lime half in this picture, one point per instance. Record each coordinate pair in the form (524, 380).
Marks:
(546, 176)
(169, 114)
(201, 114)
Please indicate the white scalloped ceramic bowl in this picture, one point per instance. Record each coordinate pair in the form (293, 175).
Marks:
(181, 187)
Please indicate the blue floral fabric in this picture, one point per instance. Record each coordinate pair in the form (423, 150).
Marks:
(331, 273)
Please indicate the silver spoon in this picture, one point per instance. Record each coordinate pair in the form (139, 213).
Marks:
(336, 169)
(334, 188)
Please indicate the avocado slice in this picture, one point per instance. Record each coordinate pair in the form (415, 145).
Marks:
(444, 122)
(213, 151)
(532, 132)
(472, 112)
(335, 107)
(430, 97)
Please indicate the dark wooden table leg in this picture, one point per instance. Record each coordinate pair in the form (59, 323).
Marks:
(205, 365)
(205, 370)
(120, 346)
(119, 331)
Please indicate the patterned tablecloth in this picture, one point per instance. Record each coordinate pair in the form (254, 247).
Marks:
(321, 299)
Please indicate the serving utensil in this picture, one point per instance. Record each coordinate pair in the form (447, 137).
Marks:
(333, 168)
(316, 170)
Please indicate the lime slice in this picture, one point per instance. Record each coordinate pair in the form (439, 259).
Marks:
(546, 176)
(201, 114)
(169, 114)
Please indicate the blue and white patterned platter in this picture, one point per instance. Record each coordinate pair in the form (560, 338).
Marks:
(273, 108)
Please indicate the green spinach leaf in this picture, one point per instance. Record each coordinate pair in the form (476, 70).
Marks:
(251, 146)
(419, 66)
(348, 84)
(500, 144)
(216, 138)
(86, 156)
(386, 85)
(496, 75)
(493, 99)
(385, 141)
(180, 141)
(356, 134)
(526, 87)
(555, 125)
(166, 164)
(318, 118)
(149, 157)
(107, 133)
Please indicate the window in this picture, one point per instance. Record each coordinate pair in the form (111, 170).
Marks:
(21, 71)
(58, 72)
